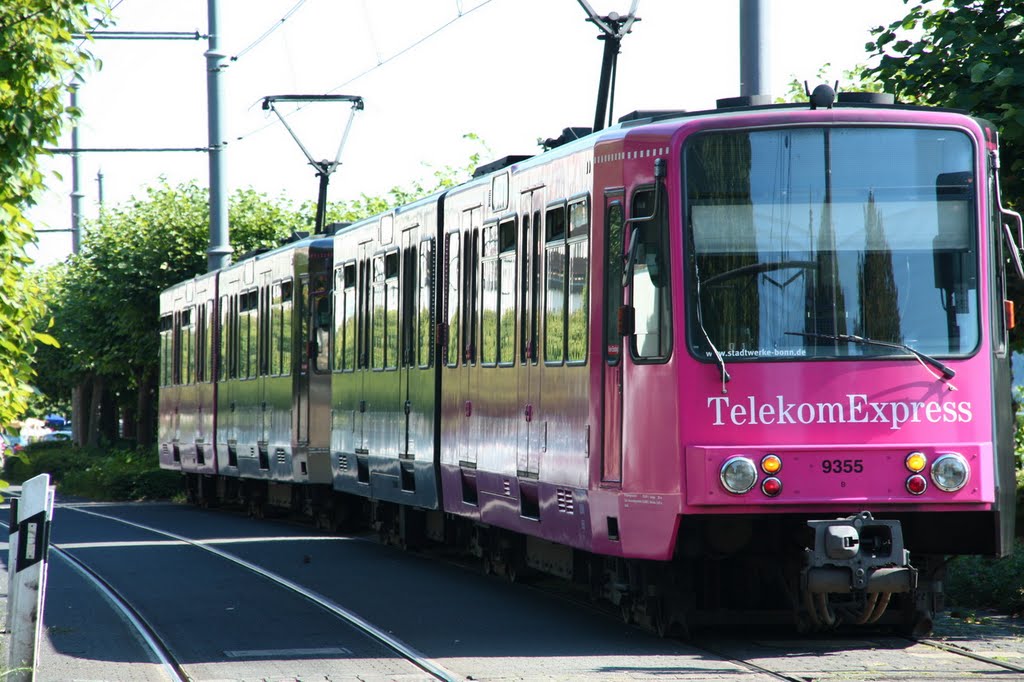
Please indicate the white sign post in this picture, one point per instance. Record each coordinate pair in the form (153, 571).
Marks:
(27, 577)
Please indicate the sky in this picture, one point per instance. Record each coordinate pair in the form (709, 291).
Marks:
(430, 72)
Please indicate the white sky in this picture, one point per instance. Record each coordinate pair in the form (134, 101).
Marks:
(510, 71)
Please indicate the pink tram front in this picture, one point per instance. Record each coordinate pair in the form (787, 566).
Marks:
(745, 359)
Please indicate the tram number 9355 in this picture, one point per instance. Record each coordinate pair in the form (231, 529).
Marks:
(842, 466)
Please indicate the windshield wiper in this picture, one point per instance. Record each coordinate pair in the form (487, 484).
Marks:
(947, 372)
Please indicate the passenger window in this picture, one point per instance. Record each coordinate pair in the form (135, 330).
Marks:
(650, 284)
(425, 328)
(579, 277)
(452, 349)
(554, 289)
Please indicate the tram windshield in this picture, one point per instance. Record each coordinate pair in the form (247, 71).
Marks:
(800, 236)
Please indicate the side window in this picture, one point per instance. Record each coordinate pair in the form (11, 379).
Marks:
(166, 350)
(287, 305)
(452, 296)
(650, 285)
(227, 357)
(188, 345)
(507, 293)
(489, 298)
(345, 336)
(378, 312)
(206, 342)
(579, 281)
(276, 321)
(613, 280)
(554, 286)
(392, 321)
(321, 323)
(425, 327)
(248, 321)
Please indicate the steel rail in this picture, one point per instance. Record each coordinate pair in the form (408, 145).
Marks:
(403, 650)
(960, 651)
(147, 632)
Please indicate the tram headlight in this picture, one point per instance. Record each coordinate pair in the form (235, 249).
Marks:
(950, 472)
(739, 474)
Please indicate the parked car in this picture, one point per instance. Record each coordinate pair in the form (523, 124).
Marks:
(56, 436)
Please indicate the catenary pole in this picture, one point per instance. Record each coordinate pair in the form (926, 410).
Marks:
(754, 42)
(219, 252)
(76, 190)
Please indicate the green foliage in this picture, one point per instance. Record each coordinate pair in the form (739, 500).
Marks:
(856, 79)
(980, 582)
(37, 58)
(970, 56)
(111, 475)
(105, 300)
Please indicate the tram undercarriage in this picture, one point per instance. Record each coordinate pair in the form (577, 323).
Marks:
(727, 570)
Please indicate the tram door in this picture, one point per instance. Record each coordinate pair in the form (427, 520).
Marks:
(407, 352)
(469, 373)
(611, 463)
(530, 432)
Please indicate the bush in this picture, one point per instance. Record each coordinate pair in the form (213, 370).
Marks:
(981, 582)
(106, 475)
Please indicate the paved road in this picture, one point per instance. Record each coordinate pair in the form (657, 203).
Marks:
(225, 623)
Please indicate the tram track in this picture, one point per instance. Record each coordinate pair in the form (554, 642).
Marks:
(753, 665)
(161, 651)
(146, 632)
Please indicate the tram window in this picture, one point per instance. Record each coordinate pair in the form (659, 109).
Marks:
(613, 279)
(409, 285)
(345, 320)
(187, 355)
(322, 332)
(650, 284)
(554, 288)
(248, 319)
(206, 320)
(287, 306)
(166, 349)
(378, 314)
(454, 279)
(489, 311)
(579, 276)
(226, 356)
(507, 294)
(425, 328)
(391, 305)
(276, 316)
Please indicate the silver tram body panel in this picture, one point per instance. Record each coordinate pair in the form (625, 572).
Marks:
(383, 439)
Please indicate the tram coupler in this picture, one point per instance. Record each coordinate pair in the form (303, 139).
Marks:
(857, 554)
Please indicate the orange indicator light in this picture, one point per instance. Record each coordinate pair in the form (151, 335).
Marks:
(771, 464)
(916, 461)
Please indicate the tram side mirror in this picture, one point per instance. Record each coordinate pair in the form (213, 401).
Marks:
(626, 322)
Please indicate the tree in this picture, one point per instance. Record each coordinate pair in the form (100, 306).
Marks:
(965, 55)
(38, 56)
(969, 55)
(105, 300)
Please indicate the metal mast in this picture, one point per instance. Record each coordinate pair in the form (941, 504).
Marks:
(219, 251)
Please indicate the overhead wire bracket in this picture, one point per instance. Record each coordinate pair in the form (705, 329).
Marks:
(324, 168)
